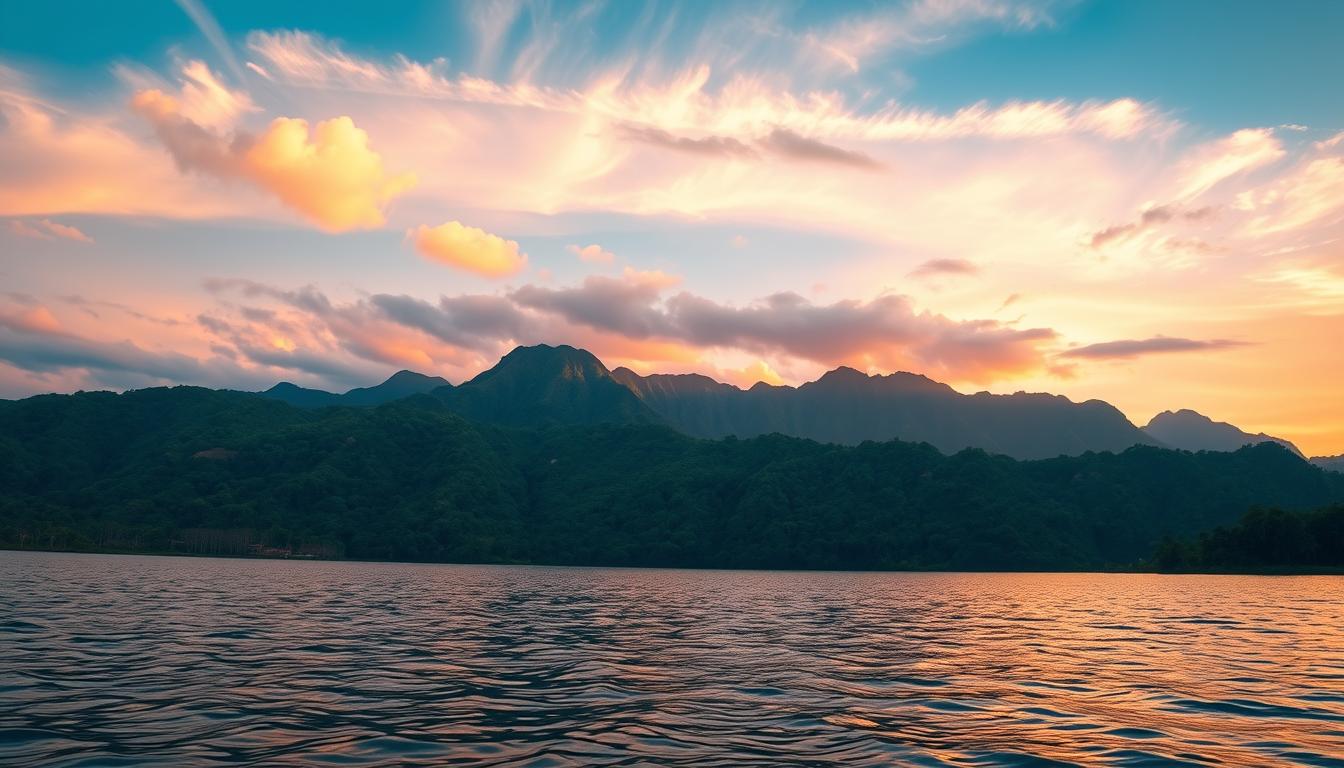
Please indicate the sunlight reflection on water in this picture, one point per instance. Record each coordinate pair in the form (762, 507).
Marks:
(112, 660)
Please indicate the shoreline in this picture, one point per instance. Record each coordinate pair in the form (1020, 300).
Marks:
(1114, 571)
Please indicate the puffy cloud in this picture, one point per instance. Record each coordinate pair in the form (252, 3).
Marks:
(1131, 348)
(594, 254)
(469, 248)
(334, 179)
(46, 229)
(331, 175)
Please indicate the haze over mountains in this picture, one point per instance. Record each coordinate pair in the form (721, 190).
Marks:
(544, 385)
(1191, 431)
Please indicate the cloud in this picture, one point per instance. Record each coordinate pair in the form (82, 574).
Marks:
(934, 267)
(593, 254)
(1130, 348)
(469, 248)
(793, 146)
(1241, 152)
(922, 24)
(330, 176)
(1309, 194)
(46, 229)
(206, 23)
(473, 321)
(624, 305)
(745, 378)
(60, 159)
(1148, 219)
(34, 340)
(686, 102)
(715, 146)
(1331, 143)
(885, 332)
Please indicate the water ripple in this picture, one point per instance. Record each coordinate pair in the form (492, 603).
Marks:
(108, 661)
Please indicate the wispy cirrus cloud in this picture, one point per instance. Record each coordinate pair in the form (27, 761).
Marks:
(935, 267)
(46, 229)
(1126, 349)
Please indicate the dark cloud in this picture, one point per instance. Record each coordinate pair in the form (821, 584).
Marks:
(1130, 348)
(934, 267)
(624, 306)
(472, 321)
(886, 330)
(793, 146)
(307, 298)
(317, 363)
(720, 146)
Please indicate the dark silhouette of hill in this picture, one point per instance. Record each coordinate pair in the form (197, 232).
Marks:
(399, 385)
(1332, 463)
(848, 407)
(544, 385)
(158, 469)
(1192, 431)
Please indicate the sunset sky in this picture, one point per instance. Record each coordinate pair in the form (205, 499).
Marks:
(1141, 202)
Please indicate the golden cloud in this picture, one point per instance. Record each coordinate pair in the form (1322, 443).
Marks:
(469, 248)
(331, 176)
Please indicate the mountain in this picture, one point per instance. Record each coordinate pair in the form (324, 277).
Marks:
(545, 385)
(193, 470)
(400, 384)
(1333, 463)
(848, 407)
(1192, 431)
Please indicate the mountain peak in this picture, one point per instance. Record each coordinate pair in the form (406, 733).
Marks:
(406, 376)
(542, 384)
(1193, 431)
(543, 359)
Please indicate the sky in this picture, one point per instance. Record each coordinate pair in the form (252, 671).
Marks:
(1140, 202)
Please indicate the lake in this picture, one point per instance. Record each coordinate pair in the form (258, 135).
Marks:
(126, 660)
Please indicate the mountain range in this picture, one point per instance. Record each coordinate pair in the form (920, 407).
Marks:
(559, 385)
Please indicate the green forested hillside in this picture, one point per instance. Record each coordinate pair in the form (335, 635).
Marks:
(1263, 540)
(166, 469)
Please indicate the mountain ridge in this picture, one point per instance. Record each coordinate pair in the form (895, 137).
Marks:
(562, 384)
(1191, 430)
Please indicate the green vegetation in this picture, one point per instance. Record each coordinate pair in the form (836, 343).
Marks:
(195, 470)
(1263, 540)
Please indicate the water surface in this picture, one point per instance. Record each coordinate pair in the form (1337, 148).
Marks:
(117, 660)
